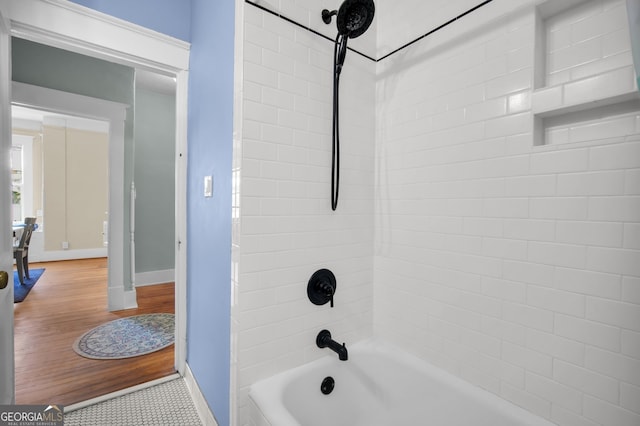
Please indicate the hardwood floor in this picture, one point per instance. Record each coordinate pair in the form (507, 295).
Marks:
(69, 299)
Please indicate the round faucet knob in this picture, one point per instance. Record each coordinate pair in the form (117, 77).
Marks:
(321, 287)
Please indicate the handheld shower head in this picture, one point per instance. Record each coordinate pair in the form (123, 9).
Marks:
(353, 18)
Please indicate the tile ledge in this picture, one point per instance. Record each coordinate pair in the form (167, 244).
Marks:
(607, 88)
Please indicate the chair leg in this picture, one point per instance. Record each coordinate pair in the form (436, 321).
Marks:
(25, 262)
(20, 271)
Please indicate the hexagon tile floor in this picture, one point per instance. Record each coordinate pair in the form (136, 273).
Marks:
(167, 404)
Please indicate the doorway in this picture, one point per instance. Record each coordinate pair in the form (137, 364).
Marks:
(82, 31)
(26, 95)
(59, 126)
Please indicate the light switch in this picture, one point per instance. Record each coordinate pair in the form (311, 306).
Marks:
(208, 186)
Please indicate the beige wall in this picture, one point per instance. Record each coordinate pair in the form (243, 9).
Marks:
(54, 163)
(36, 162)
(75, 176)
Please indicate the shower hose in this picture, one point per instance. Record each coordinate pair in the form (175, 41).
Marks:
(339, 53)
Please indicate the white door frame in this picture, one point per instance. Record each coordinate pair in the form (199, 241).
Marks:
(72, 27)
(7, 368)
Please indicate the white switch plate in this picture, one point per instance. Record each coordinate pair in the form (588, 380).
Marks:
(208, 186)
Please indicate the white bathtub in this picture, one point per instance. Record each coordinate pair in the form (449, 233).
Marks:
(378, 386)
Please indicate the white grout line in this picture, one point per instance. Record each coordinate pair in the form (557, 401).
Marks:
(102, 398)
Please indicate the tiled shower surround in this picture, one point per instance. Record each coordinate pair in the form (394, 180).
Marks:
(285, 229)
(471, 230)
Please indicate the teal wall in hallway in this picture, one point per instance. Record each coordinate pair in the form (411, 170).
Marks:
(155, 180)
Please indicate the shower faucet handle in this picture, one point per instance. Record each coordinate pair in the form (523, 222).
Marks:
(321, 287)
(328, 289)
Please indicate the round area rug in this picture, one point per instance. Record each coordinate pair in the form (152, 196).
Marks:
(127, 337)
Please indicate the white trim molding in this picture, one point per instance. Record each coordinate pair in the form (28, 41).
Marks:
(155, 277)
(205, 413)
(180, 242)
(7, 364)
(68, 103)
(109, 37)
(119, 298)
(55, 255)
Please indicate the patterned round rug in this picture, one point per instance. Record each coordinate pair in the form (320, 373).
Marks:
(127, 337)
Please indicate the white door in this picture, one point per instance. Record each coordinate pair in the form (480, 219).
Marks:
(7, 380)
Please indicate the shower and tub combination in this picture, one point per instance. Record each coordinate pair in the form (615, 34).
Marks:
(461, 238)
(369, 383)
(373, 384)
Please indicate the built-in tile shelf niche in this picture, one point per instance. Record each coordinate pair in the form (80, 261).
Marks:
(585, 88)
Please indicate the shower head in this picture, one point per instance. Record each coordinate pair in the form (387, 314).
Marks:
(354, 17)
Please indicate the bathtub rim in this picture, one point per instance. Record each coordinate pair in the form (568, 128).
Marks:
(267, 394)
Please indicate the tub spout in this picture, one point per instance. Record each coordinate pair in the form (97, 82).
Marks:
(324, 340)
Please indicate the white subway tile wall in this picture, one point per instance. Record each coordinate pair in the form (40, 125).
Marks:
(587, 59)
(586, 40)
(513, 265)
(286, 227)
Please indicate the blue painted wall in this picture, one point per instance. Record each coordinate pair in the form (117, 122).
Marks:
(209, 219)
(171, 17)
(209, 26)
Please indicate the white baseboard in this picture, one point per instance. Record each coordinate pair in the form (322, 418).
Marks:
(37, 253)
(120, 299)
(55, 255)
(206, 416)
(155, 277)
(130, 299)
